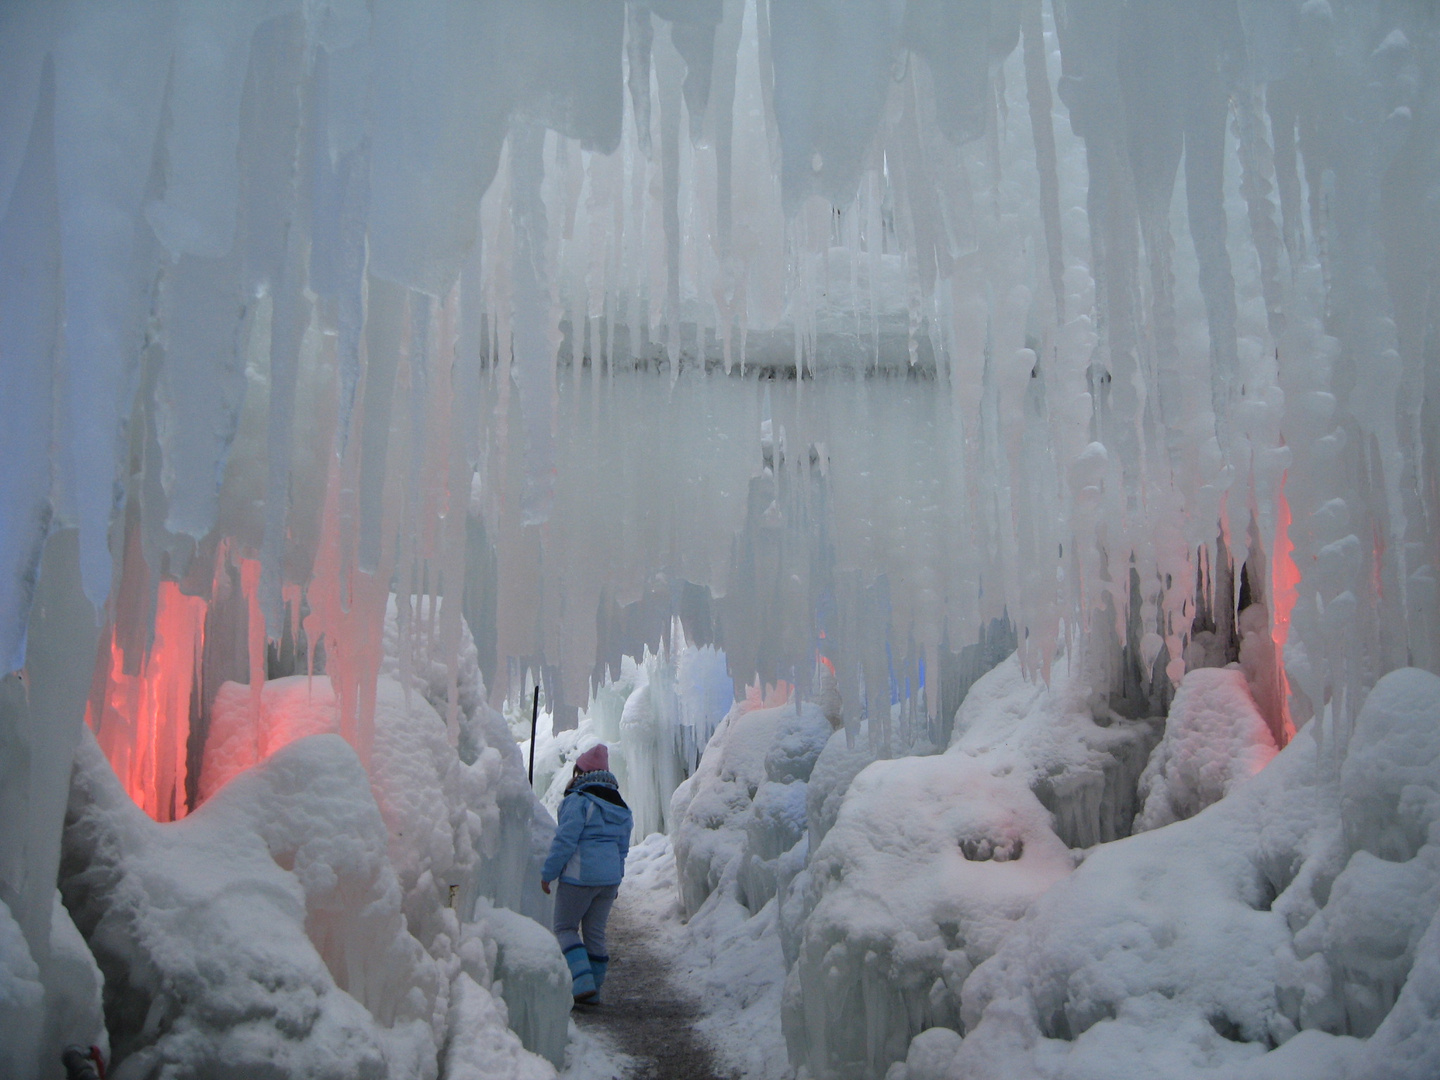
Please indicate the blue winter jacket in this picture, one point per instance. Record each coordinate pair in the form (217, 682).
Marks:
(593, 834)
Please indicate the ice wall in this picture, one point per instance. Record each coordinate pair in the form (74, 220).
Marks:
(837, 329)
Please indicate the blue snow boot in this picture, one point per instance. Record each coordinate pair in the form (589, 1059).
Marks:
(598, 966)
(582, 986)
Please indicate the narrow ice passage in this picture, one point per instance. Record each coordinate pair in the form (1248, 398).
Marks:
(644, 1016)
(975, 463)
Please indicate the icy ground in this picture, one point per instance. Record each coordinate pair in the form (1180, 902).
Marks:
(728, 964)
(646, 1011)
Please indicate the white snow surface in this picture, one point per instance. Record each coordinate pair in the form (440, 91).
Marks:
(1060, 739)
(263, 932)
(1286, 929)
(532, 977)
(1265, 937)
(368, 968)
(725, 957)
(271, 930)
(1214, 738)
(22, 999)
(738, 799)
(290, 709)
(929, 865)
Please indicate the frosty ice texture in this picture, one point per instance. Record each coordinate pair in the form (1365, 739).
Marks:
(302, 304)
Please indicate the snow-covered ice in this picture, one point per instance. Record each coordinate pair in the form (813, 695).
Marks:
(1214, 738)
(369, 365)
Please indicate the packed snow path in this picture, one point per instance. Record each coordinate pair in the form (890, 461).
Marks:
(643, 1015)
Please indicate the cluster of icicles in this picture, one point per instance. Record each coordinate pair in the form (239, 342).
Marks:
(831, 331)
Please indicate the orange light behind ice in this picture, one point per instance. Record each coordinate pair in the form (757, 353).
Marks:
(1286, 580)
(144, 721)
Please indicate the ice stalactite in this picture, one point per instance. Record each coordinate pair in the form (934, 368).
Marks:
(983, 381)
(41, 718)
(110, 71)
(341, 173)
(1204, 127)
(639, 43)
(1039, 98)
(1258, 173)
(1091, 89)
(535, 335)
(197, 219)
(30, 312)
(142, 721)
(669, 83)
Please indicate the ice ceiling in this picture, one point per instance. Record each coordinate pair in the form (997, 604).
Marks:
(828, 328)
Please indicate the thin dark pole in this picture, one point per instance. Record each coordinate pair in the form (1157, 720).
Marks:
(534, 719)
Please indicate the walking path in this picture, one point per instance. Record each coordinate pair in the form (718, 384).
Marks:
(642, 1015)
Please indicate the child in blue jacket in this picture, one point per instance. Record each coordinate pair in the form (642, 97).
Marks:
(588, 856)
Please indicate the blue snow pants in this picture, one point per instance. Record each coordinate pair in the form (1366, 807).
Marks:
(583, 910)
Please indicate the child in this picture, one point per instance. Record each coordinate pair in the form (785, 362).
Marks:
(588, 856)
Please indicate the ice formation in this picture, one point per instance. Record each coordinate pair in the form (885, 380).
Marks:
(386, 871)
(217, 956)
(1063, 742)
(1279, 917)
(656, 717)
(929, 861)
(938, 927)
(1214, 738)
(745, 805)
(367, 363)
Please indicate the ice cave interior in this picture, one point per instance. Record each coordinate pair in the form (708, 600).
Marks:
(975, 462)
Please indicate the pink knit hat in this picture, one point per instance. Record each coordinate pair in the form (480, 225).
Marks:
(594, 759)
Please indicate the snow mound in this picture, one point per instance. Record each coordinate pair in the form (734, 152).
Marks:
(1268, 936)
(1383, 904)
(837, 766)
(261, 935)
(437, 809)
(480, 1046)
(452, 826)
(532, 977)
(839, 763)
(1214, 738)
(1081, 760)
(441, 813)
(418, 653)
(516, 828)
(927, 868)
(390, 863)
(930, 1054)
(744, 807)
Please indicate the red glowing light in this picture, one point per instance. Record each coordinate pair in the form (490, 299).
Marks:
(144, 720)
(1286, 579)
(767, 696)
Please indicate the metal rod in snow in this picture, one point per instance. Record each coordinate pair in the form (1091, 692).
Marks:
(534, 720)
